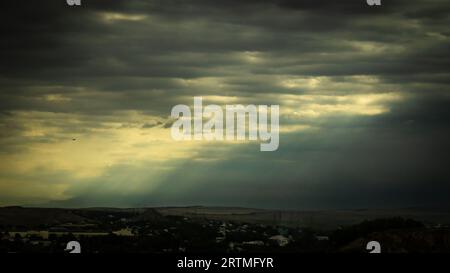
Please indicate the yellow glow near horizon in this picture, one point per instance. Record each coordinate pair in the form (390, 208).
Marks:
(84, 149)
(116, 16)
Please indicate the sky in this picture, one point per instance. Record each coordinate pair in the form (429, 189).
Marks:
(86, 95)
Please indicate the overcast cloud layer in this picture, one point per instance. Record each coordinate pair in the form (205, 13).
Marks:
(363, 94)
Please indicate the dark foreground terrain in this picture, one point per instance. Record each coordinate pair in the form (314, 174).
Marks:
(229, 230)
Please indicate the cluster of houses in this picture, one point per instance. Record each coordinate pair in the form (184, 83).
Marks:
(279, 240)
(42, 236)
(282, 239)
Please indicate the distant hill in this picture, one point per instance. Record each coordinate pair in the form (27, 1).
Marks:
(147, 215)
(18, 216)
(35, 217)
(323, 219)
(318, 219)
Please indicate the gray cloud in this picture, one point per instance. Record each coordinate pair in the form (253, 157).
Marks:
(108, 57)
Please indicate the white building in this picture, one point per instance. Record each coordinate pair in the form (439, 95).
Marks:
(280, 240)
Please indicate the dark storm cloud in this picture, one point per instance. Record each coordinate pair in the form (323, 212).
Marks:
(60, 43)
(112, 56)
